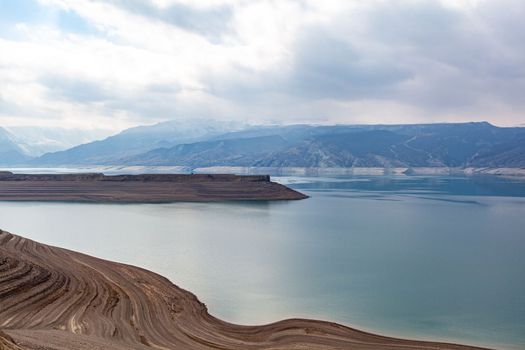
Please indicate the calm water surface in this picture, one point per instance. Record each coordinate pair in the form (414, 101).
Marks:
(423, 257)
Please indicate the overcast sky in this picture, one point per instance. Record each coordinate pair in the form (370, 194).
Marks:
(119, 63)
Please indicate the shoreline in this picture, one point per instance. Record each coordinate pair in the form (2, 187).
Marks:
(142, 188)
(57, 298)
(518, 173)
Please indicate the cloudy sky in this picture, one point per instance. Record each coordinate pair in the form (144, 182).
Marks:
(117, 63)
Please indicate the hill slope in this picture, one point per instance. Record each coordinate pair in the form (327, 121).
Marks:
(430, 145)
(10, 152)
(416, 145)
(134, 141)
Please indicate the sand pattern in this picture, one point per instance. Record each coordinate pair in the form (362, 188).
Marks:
(53, 298)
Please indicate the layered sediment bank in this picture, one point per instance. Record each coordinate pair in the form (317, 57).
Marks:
(52, 298)
(146, 188)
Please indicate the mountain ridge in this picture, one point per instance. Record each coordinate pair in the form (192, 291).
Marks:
(413, 145)
(204, 144)
(10, 151)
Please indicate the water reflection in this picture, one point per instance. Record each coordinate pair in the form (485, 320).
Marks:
(436, 258)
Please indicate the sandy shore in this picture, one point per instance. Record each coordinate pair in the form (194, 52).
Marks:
(148, 188)
(53, 298)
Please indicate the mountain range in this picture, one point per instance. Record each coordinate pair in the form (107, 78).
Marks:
(36, 141)
(212, 143)
(11, 152)
(18, 145)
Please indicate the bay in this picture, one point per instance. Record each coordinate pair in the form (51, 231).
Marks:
(421, 257)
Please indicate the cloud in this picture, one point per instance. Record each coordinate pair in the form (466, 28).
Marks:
(326, 66)
(75, 90)
(122, 63)
(210, 21)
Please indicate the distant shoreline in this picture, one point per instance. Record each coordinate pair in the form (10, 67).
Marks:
(299, 171)
(274, 171)
(144, 188)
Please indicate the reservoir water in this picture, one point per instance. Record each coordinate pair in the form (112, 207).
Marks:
(422, 257)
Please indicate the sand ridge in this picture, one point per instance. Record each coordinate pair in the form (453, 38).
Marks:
(52, 298)
(144, 188)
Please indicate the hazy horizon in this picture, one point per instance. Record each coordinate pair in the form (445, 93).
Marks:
(36, 141)
(110, 132)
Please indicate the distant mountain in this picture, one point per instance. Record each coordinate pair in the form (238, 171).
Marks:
(35, 141)
(417, 145)
(239, 151)
(370, 148)
(510, 153)
(135, 141)
(205, 143)
(10, 152)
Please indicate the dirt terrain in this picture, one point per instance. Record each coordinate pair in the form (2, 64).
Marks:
(53, 298)
(147, 188)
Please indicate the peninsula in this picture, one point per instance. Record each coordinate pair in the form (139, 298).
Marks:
(52, 298)
(145, 188)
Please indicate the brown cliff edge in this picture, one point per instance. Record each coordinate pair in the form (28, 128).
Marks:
(52, 298)
(145, 188)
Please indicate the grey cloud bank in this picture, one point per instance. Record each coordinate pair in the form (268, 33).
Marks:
(260, 61)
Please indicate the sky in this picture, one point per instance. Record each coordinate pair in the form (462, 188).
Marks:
(113, 64)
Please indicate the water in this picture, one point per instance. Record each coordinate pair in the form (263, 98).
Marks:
(422, 257)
